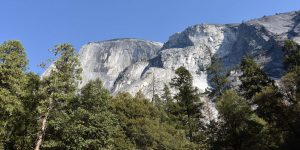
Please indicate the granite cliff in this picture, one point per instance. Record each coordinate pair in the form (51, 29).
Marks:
(133, 64)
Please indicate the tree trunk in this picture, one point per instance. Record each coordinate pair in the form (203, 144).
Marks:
(190, 134)
(44, 120)
(41, 133)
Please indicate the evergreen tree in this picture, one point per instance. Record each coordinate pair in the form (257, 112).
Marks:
(13, 64)
(188, 103)
(28, 120)
(167, 97)
(279, 107)
(292, 54)
(89, 123)
(217, 77)
(170, 107)
(291, 91)
(157, 101)
(281, 110)
(253, 79)
(291, 80)
(271, 107)
(58, 89)
(238, 128)
(143, 127)
(290, 87)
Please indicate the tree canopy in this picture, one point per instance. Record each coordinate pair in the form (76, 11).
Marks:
(52, 112)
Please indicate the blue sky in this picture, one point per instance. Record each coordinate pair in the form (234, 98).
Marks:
(41, 24)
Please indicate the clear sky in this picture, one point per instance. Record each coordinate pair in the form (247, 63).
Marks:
(41, 24)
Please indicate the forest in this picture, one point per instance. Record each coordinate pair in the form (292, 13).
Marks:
(51, 113)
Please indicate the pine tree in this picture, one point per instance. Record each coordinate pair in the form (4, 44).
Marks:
(13, 64)
(28, 120)
(271, 107)
(57, 90)
(281, 111)
(172, 108)
(168, 101)
(238, 128)
(290, 88)
(157, 101)
(253, 79)
(217, 77)
(89, 123)
(279, 107)
(167, 97)
(188, 100)
(143, 127)
(292, 54)
(291, 80)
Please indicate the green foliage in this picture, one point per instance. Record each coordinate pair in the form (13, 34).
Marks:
(238, 128)
(58, 89)
(142, 125)
(157, 101)
(12, 78)
(270, 105)
(280, 108)
(217, 77)
(290, 88)
(264, 116)
(16, 98)
(290, 120)
(167, 97)
(171, 108)
(188, 106)
(292, 54)
(28, 119)
(88, 123)
(291, 81)
(253, 79)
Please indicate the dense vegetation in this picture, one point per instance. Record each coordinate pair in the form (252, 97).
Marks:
(51, 113)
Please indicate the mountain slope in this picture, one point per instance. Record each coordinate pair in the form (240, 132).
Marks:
(133, 64)
(107, 59)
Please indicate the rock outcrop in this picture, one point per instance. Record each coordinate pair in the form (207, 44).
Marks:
(107, 60)
(131, 64)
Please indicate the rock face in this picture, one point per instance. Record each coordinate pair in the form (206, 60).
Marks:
(109, 59)
(131, 64)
